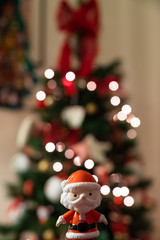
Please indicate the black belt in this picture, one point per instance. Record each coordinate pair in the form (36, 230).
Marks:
(82, 227)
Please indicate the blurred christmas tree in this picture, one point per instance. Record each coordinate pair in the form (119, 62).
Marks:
(16, 69)
(84, 123)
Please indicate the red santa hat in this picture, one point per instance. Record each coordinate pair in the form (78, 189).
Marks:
(80, 179)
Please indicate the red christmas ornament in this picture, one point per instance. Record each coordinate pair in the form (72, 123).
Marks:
(28, 187)
(40, 104)
(118, 200)
(70, 88)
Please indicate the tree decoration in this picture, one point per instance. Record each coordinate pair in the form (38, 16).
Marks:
(16, 209)
(91, 108)
(43, 213)
(43, 165)
(94, 149)
(29, 235)
(79, 20)
(48, 234)
(52, 189)
(21, 162)
(28, 187)
(73, 116)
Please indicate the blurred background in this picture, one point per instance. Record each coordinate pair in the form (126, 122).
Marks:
(130, 31)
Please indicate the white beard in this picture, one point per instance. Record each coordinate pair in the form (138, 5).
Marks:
(80, 205)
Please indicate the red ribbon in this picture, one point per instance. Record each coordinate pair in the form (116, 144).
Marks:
(84, 20)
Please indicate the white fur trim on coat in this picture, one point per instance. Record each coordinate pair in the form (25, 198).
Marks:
(88, 235)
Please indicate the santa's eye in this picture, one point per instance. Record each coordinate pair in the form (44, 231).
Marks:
(90, 194)
(72, 196)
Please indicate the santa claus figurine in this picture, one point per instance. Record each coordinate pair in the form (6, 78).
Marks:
(81, 194)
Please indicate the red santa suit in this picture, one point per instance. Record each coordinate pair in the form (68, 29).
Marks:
(82, 225)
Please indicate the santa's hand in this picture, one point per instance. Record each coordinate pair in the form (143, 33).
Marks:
(103, 219)
(60, 220)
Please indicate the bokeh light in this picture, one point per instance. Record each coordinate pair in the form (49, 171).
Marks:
(118, 200)
(52, 84)
(91, 86)
(49, 73)
(135, 122)
(117, 191)
(105, 189)
(57, 166)
(128, 201)
(131, 133)
(50, 147)
(126, 109)
(60, 147)
(69, 153)
(77, 161)
(113, 86)
(124, 191)
(121, 116)
(115, 100)
(40, 95)
(70, 76)
(89, 164)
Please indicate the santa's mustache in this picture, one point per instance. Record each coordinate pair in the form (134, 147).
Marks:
(82, 200)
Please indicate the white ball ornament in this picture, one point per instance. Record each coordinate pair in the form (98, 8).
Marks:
(20, 162)
(52, 189)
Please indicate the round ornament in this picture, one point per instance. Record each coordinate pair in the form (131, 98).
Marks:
(43, 165)
(52, 189)
(28, 187)
(28, 235)
(49, 101)
(20, 162)
(48, 234)
(91, 108)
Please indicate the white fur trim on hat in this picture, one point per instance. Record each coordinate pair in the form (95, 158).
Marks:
(66, 187)
(87, 235)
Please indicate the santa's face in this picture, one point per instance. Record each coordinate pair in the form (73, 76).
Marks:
(81, 200)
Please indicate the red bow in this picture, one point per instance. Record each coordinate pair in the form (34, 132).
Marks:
(84, 21)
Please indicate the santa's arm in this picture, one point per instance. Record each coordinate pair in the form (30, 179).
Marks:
(99, 217)
(60, 220)
(103, 219)
(65, 218)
